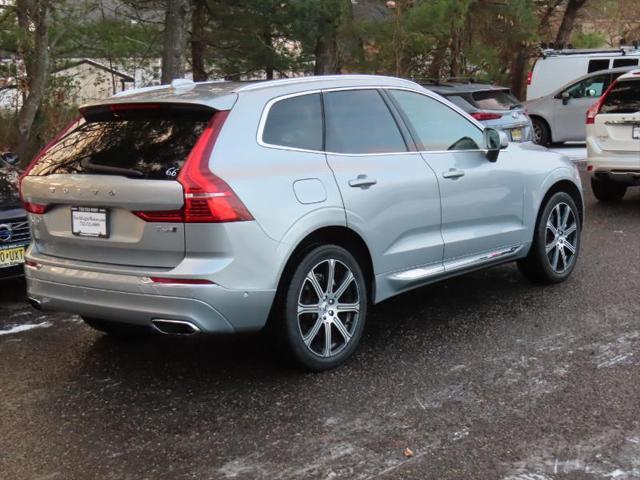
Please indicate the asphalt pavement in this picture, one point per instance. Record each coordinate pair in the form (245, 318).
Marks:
(485, 376)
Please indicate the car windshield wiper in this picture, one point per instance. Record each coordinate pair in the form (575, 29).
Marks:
(94, 167)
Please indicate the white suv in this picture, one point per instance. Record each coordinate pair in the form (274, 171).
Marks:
(613, 139)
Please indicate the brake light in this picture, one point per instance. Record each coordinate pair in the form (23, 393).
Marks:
(181, 281)
(529, 77)
(36, 208)
(207, 198)
(169, 216)
(482, 116)
(594, 109)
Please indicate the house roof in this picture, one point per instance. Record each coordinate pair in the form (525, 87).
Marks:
(126, 77)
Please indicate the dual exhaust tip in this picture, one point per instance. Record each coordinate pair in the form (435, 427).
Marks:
(175, 327)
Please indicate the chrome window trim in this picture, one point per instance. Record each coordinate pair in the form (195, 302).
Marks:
(426, 93)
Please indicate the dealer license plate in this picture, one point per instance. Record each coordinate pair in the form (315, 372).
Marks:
(90, 222)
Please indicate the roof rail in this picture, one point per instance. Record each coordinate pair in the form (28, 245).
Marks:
(310, 79)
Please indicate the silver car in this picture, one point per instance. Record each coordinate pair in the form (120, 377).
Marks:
(491, 105)
(560, 116)
(295, 204)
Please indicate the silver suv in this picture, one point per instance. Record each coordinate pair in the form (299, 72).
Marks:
(227, 207)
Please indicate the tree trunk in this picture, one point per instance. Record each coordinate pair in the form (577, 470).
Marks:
(198, 26)
(569, 20)
(437, 61)
(33, 18)
(519, 72)
(175, 40)
(268, 42)
(326, 54)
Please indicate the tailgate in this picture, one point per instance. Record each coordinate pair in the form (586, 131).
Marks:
(127, 240)
(107, 191)
(617, 125)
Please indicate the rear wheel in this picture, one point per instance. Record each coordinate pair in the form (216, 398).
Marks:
(556, 242)
(606, 190)
(541, 133)
(117, 329)
(324, 308)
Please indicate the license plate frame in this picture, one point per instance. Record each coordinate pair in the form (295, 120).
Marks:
(8, 260)
(517, 134)
(635, 134)
(90, 222)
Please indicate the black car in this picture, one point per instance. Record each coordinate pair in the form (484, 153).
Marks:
(492, 105)
(14, 227)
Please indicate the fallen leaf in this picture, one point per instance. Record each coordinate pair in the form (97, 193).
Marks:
(408, 452)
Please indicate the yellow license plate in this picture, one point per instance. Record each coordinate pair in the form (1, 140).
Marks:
(11, 256)
(516, 134)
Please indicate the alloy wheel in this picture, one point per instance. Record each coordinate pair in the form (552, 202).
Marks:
(561, 237)
(328, 308)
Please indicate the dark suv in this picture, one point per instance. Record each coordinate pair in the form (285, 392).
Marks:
(494, 106)
(14, 228)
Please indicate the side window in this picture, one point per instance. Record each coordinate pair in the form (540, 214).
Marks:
(597, 65)
(437, 126)
(359, 121)
(592, 87)
(625, 62)
(295, 122)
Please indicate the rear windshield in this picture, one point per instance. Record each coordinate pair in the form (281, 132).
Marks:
(624, 97)
(139, 144)
(495, 100)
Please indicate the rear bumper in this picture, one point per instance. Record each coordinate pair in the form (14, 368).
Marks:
(131, 299)
(621, 166)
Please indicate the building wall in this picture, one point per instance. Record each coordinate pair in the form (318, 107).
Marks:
(84, 83)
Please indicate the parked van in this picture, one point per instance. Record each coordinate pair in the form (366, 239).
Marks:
(555, 68)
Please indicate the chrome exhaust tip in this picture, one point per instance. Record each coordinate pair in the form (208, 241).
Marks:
(35, 303)
(174, 327)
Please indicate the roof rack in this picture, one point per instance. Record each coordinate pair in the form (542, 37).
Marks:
(551, 49)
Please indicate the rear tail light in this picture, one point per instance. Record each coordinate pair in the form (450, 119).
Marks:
(31, 264)
(36, 208)
(529, 77)
(482, 116)
(594, 109)
(207, 198)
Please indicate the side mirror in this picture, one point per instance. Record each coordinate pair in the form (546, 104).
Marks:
(11, 158)
(495, 140)
(565, 98)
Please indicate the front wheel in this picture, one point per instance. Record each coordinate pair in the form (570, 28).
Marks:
(324, 308)
(556, 242)
(541, 133)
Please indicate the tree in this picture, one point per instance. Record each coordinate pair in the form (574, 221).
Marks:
(569, 20)
(199, 19)
(33, 18)
(175, 40)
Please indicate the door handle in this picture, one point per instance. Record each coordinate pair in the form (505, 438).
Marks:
(362, 181)
(453, 173)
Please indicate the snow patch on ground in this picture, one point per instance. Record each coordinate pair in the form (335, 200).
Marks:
(24, 328)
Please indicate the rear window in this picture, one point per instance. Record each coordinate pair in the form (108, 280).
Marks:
(140, 143)
(624, 97)
(597, 65)
(495, 100)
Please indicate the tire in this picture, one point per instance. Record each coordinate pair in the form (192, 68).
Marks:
(607, 191)
(304, 333)
(116, 329)
(551, 259)
(541, 132)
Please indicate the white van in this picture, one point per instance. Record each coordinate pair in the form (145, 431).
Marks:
(555, 68)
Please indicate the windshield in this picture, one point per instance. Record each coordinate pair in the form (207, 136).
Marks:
(150, 146)
(495, 100)
(624, 97)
